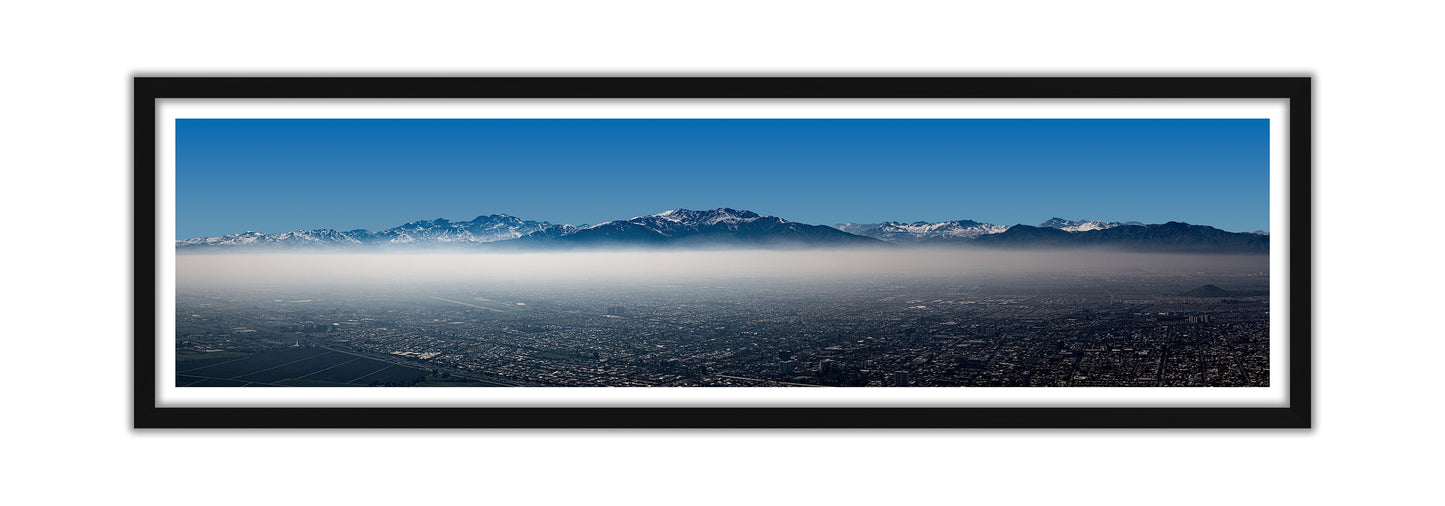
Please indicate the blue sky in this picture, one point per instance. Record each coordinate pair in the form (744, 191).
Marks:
(266, 175)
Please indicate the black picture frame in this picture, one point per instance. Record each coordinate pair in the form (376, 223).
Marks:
(1296, 90)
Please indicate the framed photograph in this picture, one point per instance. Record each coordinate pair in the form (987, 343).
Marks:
(722, 252)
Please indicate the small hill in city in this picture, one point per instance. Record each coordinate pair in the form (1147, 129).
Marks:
(1208, 291)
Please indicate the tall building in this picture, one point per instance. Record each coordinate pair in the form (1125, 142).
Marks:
(829, 367)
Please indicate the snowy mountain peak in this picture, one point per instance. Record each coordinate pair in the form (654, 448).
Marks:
(710, 217)
(921, 231)
(714, 227)
(498, 218)
(675, 215)
(1082, 225)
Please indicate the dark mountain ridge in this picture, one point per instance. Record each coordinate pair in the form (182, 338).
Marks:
(727, 227)
(423, 233)
(688, 228)
(1174, 237)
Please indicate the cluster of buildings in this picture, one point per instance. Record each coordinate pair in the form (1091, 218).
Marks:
(924, 334)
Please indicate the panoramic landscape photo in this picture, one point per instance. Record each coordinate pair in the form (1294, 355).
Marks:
(799, 253)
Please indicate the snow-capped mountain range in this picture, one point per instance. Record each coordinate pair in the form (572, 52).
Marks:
(722, 226)
(438, 232)
(716, 226)
(684, 221)
(731, 227)
(1083, 225)
(921, 231)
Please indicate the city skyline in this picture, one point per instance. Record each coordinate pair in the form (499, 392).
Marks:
(267, 175)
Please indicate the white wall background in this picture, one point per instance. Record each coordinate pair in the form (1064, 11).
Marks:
(65, 204)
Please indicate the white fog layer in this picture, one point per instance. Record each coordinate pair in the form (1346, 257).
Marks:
(200, 271)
